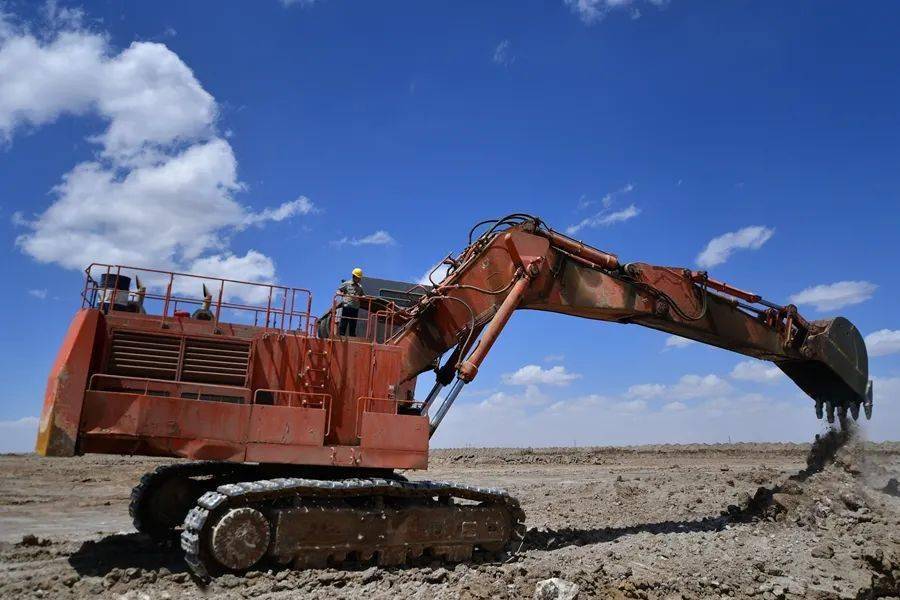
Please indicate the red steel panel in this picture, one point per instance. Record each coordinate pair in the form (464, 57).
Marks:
(58, 428)
(294, 426)
(113, 413)
(162, 446)
(394, 432)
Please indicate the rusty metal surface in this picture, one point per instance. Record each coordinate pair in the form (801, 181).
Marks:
(314, 522)
(286, 308)
(314, 534)
(291, 426)
(58, 428)
(566, 276)
(407, 433)
(127, 381)
(285, 394)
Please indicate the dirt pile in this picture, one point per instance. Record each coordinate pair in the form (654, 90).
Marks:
(740, 521)
(843, 493)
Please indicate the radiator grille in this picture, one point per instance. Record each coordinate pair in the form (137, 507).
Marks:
(144, 355)
(138, 354)
(215, 361)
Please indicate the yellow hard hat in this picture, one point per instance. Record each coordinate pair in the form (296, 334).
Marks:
(357, 272)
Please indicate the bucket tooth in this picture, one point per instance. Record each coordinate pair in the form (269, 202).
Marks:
(842, 415)
(867, 403)
(854, 410)
(829, 409)
(820, 405)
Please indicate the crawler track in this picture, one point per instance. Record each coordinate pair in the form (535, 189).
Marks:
(163, 496)
(312, 522)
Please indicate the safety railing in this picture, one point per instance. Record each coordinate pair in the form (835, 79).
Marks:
(147, 386)
(374, 320)
(266, 305)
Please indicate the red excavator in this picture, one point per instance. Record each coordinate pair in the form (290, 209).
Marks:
(297, 433)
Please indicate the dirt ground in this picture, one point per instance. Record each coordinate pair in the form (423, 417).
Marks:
(723, 521)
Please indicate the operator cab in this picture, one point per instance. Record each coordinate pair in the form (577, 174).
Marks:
(380, 296)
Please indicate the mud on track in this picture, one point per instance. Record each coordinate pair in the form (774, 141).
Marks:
(743, 520)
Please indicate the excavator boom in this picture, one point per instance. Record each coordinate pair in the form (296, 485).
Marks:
(519, 263)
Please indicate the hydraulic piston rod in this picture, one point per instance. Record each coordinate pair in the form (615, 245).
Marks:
(448, 402)
(469, 368)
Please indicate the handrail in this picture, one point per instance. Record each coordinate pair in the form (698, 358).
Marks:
(376, 308)
(290, 314)
(201, 387)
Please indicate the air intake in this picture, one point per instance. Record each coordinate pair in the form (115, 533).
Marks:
(215, 361)
(144, 355)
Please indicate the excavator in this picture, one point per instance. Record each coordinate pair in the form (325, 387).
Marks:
(298, 437)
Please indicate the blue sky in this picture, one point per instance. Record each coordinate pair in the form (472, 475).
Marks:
(296, 140)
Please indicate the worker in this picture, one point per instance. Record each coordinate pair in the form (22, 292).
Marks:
(204, 313)
(350, 292)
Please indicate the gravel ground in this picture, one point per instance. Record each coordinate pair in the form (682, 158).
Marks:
(695, 521)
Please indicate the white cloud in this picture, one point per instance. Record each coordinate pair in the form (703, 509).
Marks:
(18, 219)
(253, 267)
(594, 11)
(503, 55)
(629, 406)
(161, 215)
(437, 273)
(885, 421)
(303, 3)
(553, 420)
(287, 210)
(607, 200)
(699, 386)
(161, 191)
(720, 248)
(40, 294)
(676, 341)
(534, 375)
(504, 401)
(757, 371)
(18, 435)
(146, 94)
(646, 390)
(883, 342)
(835, 295)
(605, 218)
(686, 388)
(379, 238)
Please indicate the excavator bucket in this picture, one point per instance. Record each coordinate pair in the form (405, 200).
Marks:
(836, 371)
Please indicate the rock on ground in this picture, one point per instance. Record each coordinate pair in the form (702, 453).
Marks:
(555, 589)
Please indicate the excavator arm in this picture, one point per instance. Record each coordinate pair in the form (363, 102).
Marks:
(520, 263)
